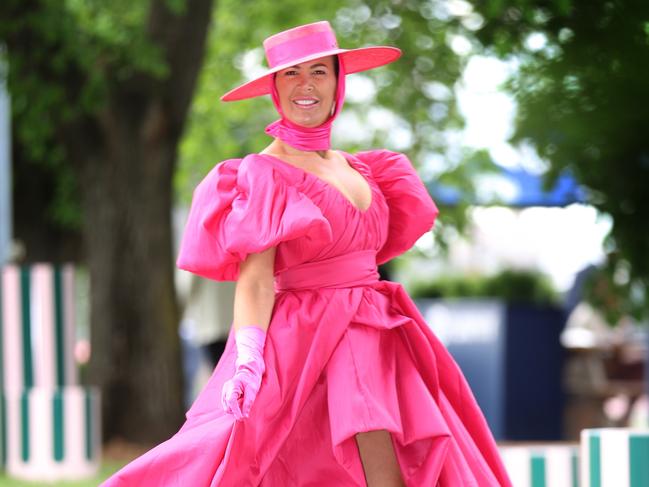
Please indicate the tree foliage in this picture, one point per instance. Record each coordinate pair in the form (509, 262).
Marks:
(582, 96)
(72, 45)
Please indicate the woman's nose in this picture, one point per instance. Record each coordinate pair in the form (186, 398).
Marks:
(306, 83)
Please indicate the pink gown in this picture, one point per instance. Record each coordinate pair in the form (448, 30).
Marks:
(345, 352)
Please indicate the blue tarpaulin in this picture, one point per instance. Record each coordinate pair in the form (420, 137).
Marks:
(521, 188)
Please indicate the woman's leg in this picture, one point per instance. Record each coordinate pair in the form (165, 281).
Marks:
(379, 460)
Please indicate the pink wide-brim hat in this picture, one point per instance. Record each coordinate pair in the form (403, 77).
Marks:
(305, 43)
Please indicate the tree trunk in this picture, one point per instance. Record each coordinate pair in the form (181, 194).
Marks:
(127, 157)
(127, 229)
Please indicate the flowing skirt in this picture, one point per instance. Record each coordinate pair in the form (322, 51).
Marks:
(338, 362)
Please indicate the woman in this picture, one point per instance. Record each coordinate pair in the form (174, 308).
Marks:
(330, 376)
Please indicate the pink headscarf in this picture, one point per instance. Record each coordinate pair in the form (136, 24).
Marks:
(307, 138)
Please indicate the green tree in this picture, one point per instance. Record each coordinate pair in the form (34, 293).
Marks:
(100, 93)
(582, 95)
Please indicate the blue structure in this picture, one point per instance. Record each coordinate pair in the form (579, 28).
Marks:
(528, 189)
(512, 358)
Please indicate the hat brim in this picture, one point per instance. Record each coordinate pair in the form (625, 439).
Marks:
(354, 60)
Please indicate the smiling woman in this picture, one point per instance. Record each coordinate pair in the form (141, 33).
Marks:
(308, 96)
(306, 91)
(330, 375)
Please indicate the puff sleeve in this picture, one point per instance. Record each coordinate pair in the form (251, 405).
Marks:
(241, 207)
(412, 210)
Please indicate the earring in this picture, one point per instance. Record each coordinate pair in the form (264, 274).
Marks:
(333, 109)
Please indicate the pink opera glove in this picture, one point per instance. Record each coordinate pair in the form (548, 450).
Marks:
(250, 368)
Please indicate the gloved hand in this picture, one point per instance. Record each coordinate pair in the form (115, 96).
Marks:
(250, 368)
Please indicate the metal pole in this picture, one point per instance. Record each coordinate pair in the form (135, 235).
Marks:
(5, 164)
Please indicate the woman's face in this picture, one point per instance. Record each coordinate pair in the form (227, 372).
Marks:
(307, 91)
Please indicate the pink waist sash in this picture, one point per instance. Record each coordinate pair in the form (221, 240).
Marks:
(347, 270)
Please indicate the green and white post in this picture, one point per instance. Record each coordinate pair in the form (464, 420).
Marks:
(615, 457)
(52, 423)
(544, 465)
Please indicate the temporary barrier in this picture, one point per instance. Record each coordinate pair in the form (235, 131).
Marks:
(49, 425)
(542, 465)
(615, 457)
(53, 434)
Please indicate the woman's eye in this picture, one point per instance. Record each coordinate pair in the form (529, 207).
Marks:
(320, 72)
(290, 73)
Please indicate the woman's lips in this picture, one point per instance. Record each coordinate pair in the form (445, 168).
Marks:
(306, 103)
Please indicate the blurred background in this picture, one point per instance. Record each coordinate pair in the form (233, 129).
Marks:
(527, 120)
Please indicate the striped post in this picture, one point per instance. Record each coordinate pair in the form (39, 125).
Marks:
(49, 424)
(55, 433)
(542, 465)
(38, 326)
(615, 457)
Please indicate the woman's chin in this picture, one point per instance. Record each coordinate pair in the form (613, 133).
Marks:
(307, 122)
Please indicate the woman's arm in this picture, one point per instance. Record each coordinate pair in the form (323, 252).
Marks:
(254, 298)
(254, 295)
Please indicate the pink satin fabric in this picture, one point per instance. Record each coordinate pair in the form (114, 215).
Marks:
(344, 353)
(347, 270)
(307, 138)
(298, 43)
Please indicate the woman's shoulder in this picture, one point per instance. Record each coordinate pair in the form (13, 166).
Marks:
(268, 167)
(380, 158)
(374, 155)
(386, 164)
(246, 170)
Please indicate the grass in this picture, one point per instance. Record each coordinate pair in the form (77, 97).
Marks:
(106, 470)
(115, 455)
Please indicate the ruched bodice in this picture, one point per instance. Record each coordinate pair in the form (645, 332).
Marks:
(248, 205)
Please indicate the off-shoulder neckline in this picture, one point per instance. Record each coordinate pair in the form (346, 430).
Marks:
(351, 160)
